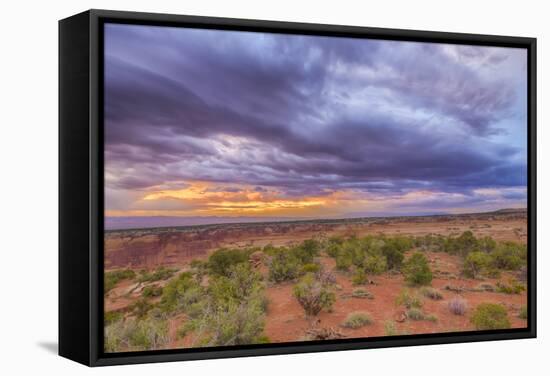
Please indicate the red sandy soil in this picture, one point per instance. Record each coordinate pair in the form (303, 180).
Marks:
(286, 320)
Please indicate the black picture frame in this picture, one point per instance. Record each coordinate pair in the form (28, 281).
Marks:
(81, 187)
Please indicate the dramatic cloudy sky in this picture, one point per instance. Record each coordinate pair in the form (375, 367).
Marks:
(217, 123)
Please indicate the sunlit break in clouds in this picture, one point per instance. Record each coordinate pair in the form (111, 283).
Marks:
(203, 123)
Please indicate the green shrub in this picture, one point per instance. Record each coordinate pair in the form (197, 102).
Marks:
(431, 293)
(333, 249)
(111, 279)
(432, 318)
(221, 261)
(311, 268)
(509, 256)
(361, 294)
(359, 277)
(375, 264)
(462, 245)
(184, 329)
(141, 307)
(486, 244)
(233, 311)
(307, 251)
(343, 261)
(231, 323)
(149, 334)
(407, 299)
(151, 291)
(523, 313)
(415, 314)
(242, 282)
(158, 274)
(180, 293)
(489, 316)
(513, 287)
(111, 317)
(394, 257)
(284, 266)
(417, 270)
(199, 267)
(357, 320)
(313, 296)
(136, 335)
(475, 263)
(492, 272)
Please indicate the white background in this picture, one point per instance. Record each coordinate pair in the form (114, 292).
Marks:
(28, 189)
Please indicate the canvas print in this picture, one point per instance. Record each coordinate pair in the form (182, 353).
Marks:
(265, 188)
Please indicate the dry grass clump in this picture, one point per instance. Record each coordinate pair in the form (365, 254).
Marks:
(357, 320)
(458, 306)
(430, 292)
(361, 294)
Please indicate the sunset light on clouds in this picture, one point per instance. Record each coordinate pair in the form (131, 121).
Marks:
(212, 123)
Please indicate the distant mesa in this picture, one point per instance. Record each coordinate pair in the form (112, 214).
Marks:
(123, 223)
(142, 222)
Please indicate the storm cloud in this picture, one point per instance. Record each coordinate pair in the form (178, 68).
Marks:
(287, 117)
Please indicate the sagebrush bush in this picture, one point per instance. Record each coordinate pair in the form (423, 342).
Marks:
(141, 307)
(333, 248)
(512, 287)
(230, 323)
(357, 320)
(325, 277)
(417, 270)
(284, 266)
(313, 296)
(242, 283)
(415, 314)
(136, 335)
(461, 245)
(509, 256)
(232, 310)
(475, 263)
(151, 291)
(408, 299)
(359, 277)
(457, 306)
(112, 316)
(343, 261)
(307, 251)
(394, 257)
(221, 261)
(375, 264)
(311, 268)
(431, 293)
(180, 293)
(488, 316)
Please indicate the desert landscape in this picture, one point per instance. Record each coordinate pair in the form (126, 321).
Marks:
(311, 280)
(273, 188)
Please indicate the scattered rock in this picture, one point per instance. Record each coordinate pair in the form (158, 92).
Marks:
(400, 316)
(324, 333)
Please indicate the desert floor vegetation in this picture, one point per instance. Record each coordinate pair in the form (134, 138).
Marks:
(332, 287)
